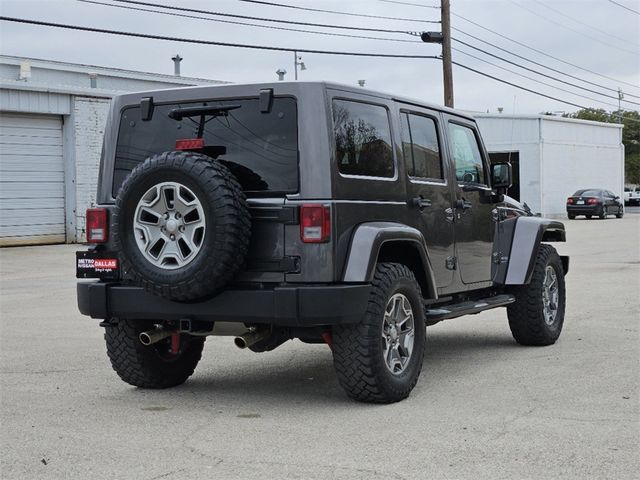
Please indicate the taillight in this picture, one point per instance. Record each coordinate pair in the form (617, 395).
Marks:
(97, 225)
(190, 144)
(592, 201)
(315, 223)
(569, 201)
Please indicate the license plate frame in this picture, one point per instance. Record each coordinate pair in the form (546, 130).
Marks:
(93, 264)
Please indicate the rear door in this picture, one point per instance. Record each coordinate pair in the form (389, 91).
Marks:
(429, 192)
(474, 224)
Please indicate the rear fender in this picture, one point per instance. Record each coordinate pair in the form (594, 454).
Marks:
(368, 241)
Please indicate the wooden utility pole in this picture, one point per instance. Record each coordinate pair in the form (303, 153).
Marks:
(447, 71)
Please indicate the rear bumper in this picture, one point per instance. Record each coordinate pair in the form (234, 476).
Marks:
(308, 305)
(584, 209)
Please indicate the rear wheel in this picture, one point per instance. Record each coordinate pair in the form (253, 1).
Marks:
(571, 216)
(604, 213)
(152, 366)
(379, 360)
(537, 315)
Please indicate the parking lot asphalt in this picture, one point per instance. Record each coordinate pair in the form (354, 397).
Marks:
(483, 408)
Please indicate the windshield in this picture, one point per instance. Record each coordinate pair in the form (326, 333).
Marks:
(260, 149)
(588, 193)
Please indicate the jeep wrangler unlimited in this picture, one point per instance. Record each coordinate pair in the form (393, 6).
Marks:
(314, 211)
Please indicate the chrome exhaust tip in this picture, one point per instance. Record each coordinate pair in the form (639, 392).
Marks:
(153, 336)
(250, 338)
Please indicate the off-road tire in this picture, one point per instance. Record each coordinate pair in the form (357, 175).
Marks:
(526, 317)
(226, 240)
(150, 366)
(357, 349)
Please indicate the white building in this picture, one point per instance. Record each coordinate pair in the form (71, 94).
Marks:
(552, 157)
(52, 118)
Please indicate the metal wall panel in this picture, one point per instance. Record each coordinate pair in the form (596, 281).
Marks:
(32, 208)
(34, 102)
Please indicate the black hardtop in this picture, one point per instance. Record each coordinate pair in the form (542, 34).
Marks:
(203, 92)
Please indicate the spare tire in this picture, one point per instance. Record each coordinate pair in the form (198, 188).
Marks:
(181, 225)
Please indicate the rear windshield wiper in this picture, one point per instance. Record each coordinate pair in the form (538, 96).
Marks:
(212, 110)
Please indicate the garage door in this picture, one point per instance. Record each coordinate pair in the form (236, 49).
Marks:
(31, 179)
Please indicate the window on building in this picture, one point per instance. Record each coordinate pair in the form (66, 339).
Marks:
(466, 154)
(362, 139)
(420, 147)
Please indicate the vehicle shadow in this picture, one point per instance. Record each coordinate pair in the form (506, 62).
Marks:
(301, 378)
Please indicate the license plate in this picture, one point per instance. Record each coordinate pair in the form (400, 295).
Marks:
(104, 265)
(580, 202)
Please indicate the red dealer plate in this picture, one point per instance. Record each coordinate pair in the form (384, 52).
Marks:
(91, 264)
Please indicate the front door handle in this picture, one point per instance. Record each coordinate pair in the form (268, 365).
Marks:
(421, 202)
(462, 204)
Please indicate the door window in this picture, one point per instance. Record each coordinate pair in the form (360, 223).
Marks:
(420, 147)
(362, 139)
(466, 155)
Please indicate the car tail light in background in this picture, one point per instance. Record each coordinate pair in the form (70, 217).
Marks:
(97, 225)
(592, 201)
(315, 223)
(569, 201)
(190, 144)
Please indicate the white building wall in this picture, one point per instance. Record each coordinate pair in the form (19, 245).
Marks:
(522, 136)
(89, 117)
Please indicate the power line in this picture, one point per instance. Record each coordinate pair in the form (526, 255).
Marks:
(308, 9)
(533, 79)
(235, 22)
(208, 42)
(543, 66)
(409, 3)
(261, 19)
(625, 7)
(533, 49)
(590, 27)
(537, 72)
(519, 5)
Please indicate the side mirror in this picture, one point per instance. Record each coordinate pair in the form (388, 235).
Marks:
(501, 176)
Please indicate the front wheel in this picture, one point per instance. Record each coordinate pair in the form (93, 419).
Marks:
(152, 366)
(604, 213)
(537, 315)
(620, 212)
(379, 359)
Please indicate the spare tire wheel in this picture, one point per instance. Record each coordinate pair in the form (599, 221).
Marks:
(181, 225)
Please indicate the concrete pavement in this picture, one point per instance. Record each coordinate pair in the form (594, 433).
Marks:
(483, 408)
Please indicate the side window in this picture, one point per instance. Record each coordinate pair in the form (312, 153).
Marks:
(466, 154)
(420, 147)
(362, 139)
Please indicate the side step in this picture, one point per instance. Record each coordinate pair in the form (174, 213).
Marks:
(434, 315)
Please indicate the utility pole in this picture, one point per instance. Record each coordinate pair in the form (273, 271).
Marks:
(447, 71)
(444, 37)
(620, 97)
(295, 64)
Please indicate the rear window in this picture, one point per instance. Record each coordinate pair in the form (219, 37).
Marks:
(362, 139)
(260, 149)
(588, 193)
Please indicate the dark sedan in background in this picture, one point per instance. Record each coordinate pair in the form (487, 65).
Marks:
(594, 202)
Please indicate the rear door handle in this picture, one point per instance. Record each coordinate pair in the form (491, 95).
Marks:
(421, 203)
(462, 204)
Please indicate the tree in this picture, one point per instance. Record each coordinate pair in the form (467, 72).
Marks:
(630, 120)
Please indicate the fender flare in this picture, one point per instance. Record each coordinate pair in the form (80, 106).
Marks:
(365, 246)
(528, 234)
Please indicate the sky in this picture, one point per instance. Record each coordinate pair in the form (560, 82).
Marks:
(596, 35)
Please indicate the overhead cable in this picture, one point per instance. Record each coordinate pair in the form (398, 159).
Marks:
(235, 22)
(208, 42)
(261, 19)
(349, 14)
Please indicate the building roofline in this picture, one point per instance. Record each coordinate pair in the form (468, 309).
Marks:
(550, 118)
(109, 71)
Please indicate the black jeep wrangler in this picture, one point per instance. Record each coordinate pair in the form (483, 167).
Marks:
(314, 211)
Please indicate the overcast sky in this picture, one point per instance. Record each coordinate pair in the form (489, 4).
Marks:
(571, 30)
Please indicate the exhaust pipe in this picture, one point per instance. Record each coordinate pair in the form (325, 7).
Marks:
(250, 338)
(154, 336)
